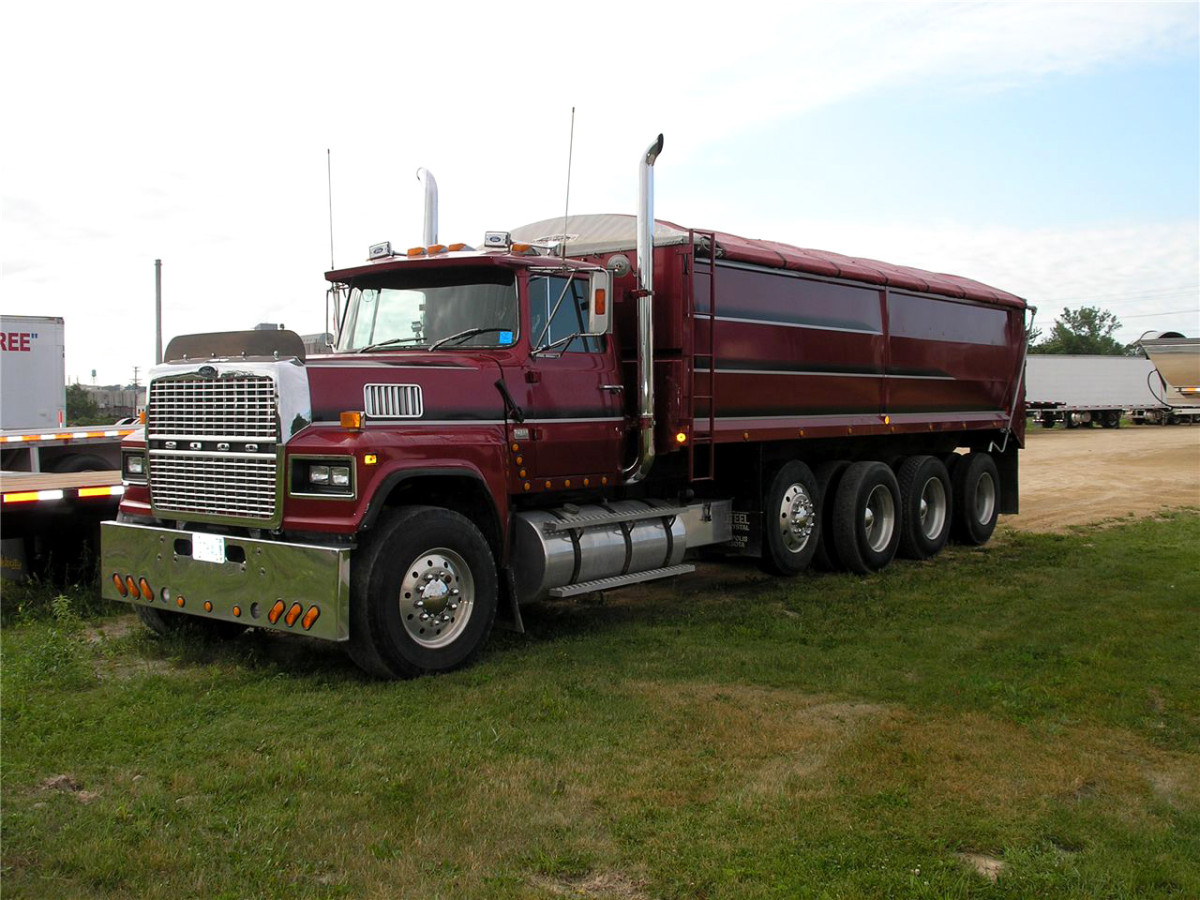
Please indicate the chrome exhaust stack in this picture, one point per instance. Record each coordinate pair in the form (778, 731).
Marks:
(645, 293)
(429, 233)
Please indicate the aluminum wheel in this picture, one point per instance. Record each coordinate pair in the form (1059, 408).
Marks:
(932, 517)
(879, 518)
(796, 517)
(437, 597)
(985, 498)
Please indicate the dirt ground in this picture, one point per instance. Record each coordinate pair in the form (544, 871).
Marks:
(1092, 474)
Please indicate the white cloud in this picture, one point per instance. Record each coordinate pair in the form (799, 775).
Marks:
(198, 135)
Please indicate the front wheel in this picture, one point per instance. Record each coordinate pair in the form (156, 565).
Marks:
(423, 594)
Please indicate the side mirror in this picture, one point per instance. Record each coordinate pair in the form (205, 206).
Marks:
(600, 305)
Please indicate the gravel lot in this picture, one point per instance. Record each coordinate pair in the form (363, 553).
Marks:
(1092, 474)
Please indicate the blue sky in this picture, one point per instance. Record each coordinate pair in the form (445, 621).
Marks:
(1051, 149)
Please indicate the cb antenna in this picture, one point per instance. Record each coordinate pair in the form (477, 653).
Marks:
(567, 203)
(329, 182)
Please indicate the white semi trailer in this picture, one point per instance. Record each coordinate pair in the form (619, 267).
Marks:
(1086, 390)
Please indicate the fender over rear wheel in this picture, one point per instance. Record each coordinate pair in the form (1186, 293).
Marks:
(976, 498)
(791, 525)
(925, 504)
(423, 594)
(866, 517)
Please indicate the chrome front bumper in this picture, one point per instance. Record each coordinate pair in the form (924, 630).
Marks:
(251, 582)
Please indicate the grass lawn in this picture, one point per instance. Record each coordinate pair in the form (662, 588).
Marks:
(1019, 720)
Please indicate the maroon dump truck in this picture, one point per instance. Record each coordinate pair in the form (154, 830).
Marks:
(579, 405)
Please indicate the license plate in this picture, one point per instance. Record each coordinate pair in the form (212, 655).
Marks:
(208, 547)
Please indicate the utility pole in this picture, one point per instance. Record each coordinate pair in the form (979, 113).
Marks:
(135, 383)
(157, 312)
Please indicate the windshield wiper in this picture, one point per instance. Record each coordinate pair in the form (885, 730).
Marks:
(387, 343)
(463, 335)
(565, 342)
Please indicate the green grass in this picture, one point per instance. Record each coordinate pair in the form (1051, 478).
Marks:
(1035, 702)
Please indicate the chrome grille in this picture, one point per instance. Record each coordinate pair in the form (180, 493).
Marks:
(214, 485)
(227, 433)
(242, 407)
(393, 401)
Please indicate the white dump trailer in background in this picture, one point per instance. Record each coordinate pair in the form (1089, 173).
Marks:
(1085, 390)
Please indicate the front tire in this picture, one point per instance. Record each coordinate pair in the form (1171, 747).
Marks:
(424, 594)
(976, 498)
(866, 517)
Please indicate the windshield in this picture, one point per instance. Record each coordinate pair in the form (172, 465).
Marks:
(446, 307)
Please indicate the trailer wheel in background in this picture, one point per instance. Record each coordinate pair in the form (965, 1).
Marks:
(1111, 418)
(866, 517)
(791, 520)
(165, 622)
(976, 498)
(81, 462)
(828, 475)
(1047, 420)
(424, 594)
(926, 507)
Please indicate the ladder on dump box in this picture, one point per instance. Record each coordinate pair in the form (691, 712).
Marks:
(702, 448)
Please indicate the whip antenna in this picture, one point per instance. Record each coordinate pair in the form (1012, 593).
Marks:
(329, 182)
(567, 204)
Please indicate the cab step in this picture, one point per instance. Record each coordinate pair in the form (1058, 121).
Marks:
(605, 584)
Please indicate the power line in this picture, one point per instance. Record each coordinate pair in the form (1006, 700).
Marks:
(1126, 295)
(1173, 312)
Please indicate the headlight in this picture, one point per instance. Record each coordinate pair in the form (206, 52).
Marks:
(316, 477)
(133, 467)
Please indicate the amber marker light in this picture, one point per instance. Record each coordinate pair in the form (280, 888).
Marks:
(120, 585)
(293, 614)
(237, 612)
(370, 459)
(208, 606)
(351, 420)
(681, 437)
(179, 601)
(415, 251)
(276, 612)
(131, 585)
(601, 301)
(145, 588)
(310, 617)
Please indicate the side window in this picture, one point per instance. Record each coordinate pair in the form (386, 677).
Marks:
(570, 295)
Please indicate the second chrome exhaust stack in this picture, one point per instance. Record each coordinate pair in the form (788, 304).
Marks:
(430, 230)
(645, 317)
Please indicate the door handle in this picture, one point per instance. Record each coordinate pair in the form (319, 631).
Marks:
(615, 388)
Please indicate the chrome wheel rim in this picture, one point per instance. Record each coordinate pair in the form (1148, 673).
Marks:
(437, 597)
(796, 519)
(879, 518)
(933, 508)
(985, 499)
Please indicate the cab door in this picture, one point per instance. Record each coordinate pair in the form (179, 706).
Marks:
(575, 396)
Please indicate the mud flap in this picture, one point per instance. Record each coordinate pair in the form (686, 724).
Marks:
(508, 610)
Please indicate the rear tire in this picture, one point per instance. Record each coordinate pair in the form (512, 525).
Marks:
(791, 520)
(828, 475)
(976, 499)
(866, 517)
(423, 594)
(926, 507)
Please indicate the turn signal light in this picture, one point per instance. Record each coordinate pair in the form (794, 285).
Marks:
(293, 614)
(146, 592)
(131, 585)
(310, 617)
(119, 582)
(601, 301)
(276, 612)
(681, 437)
(351, 420)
